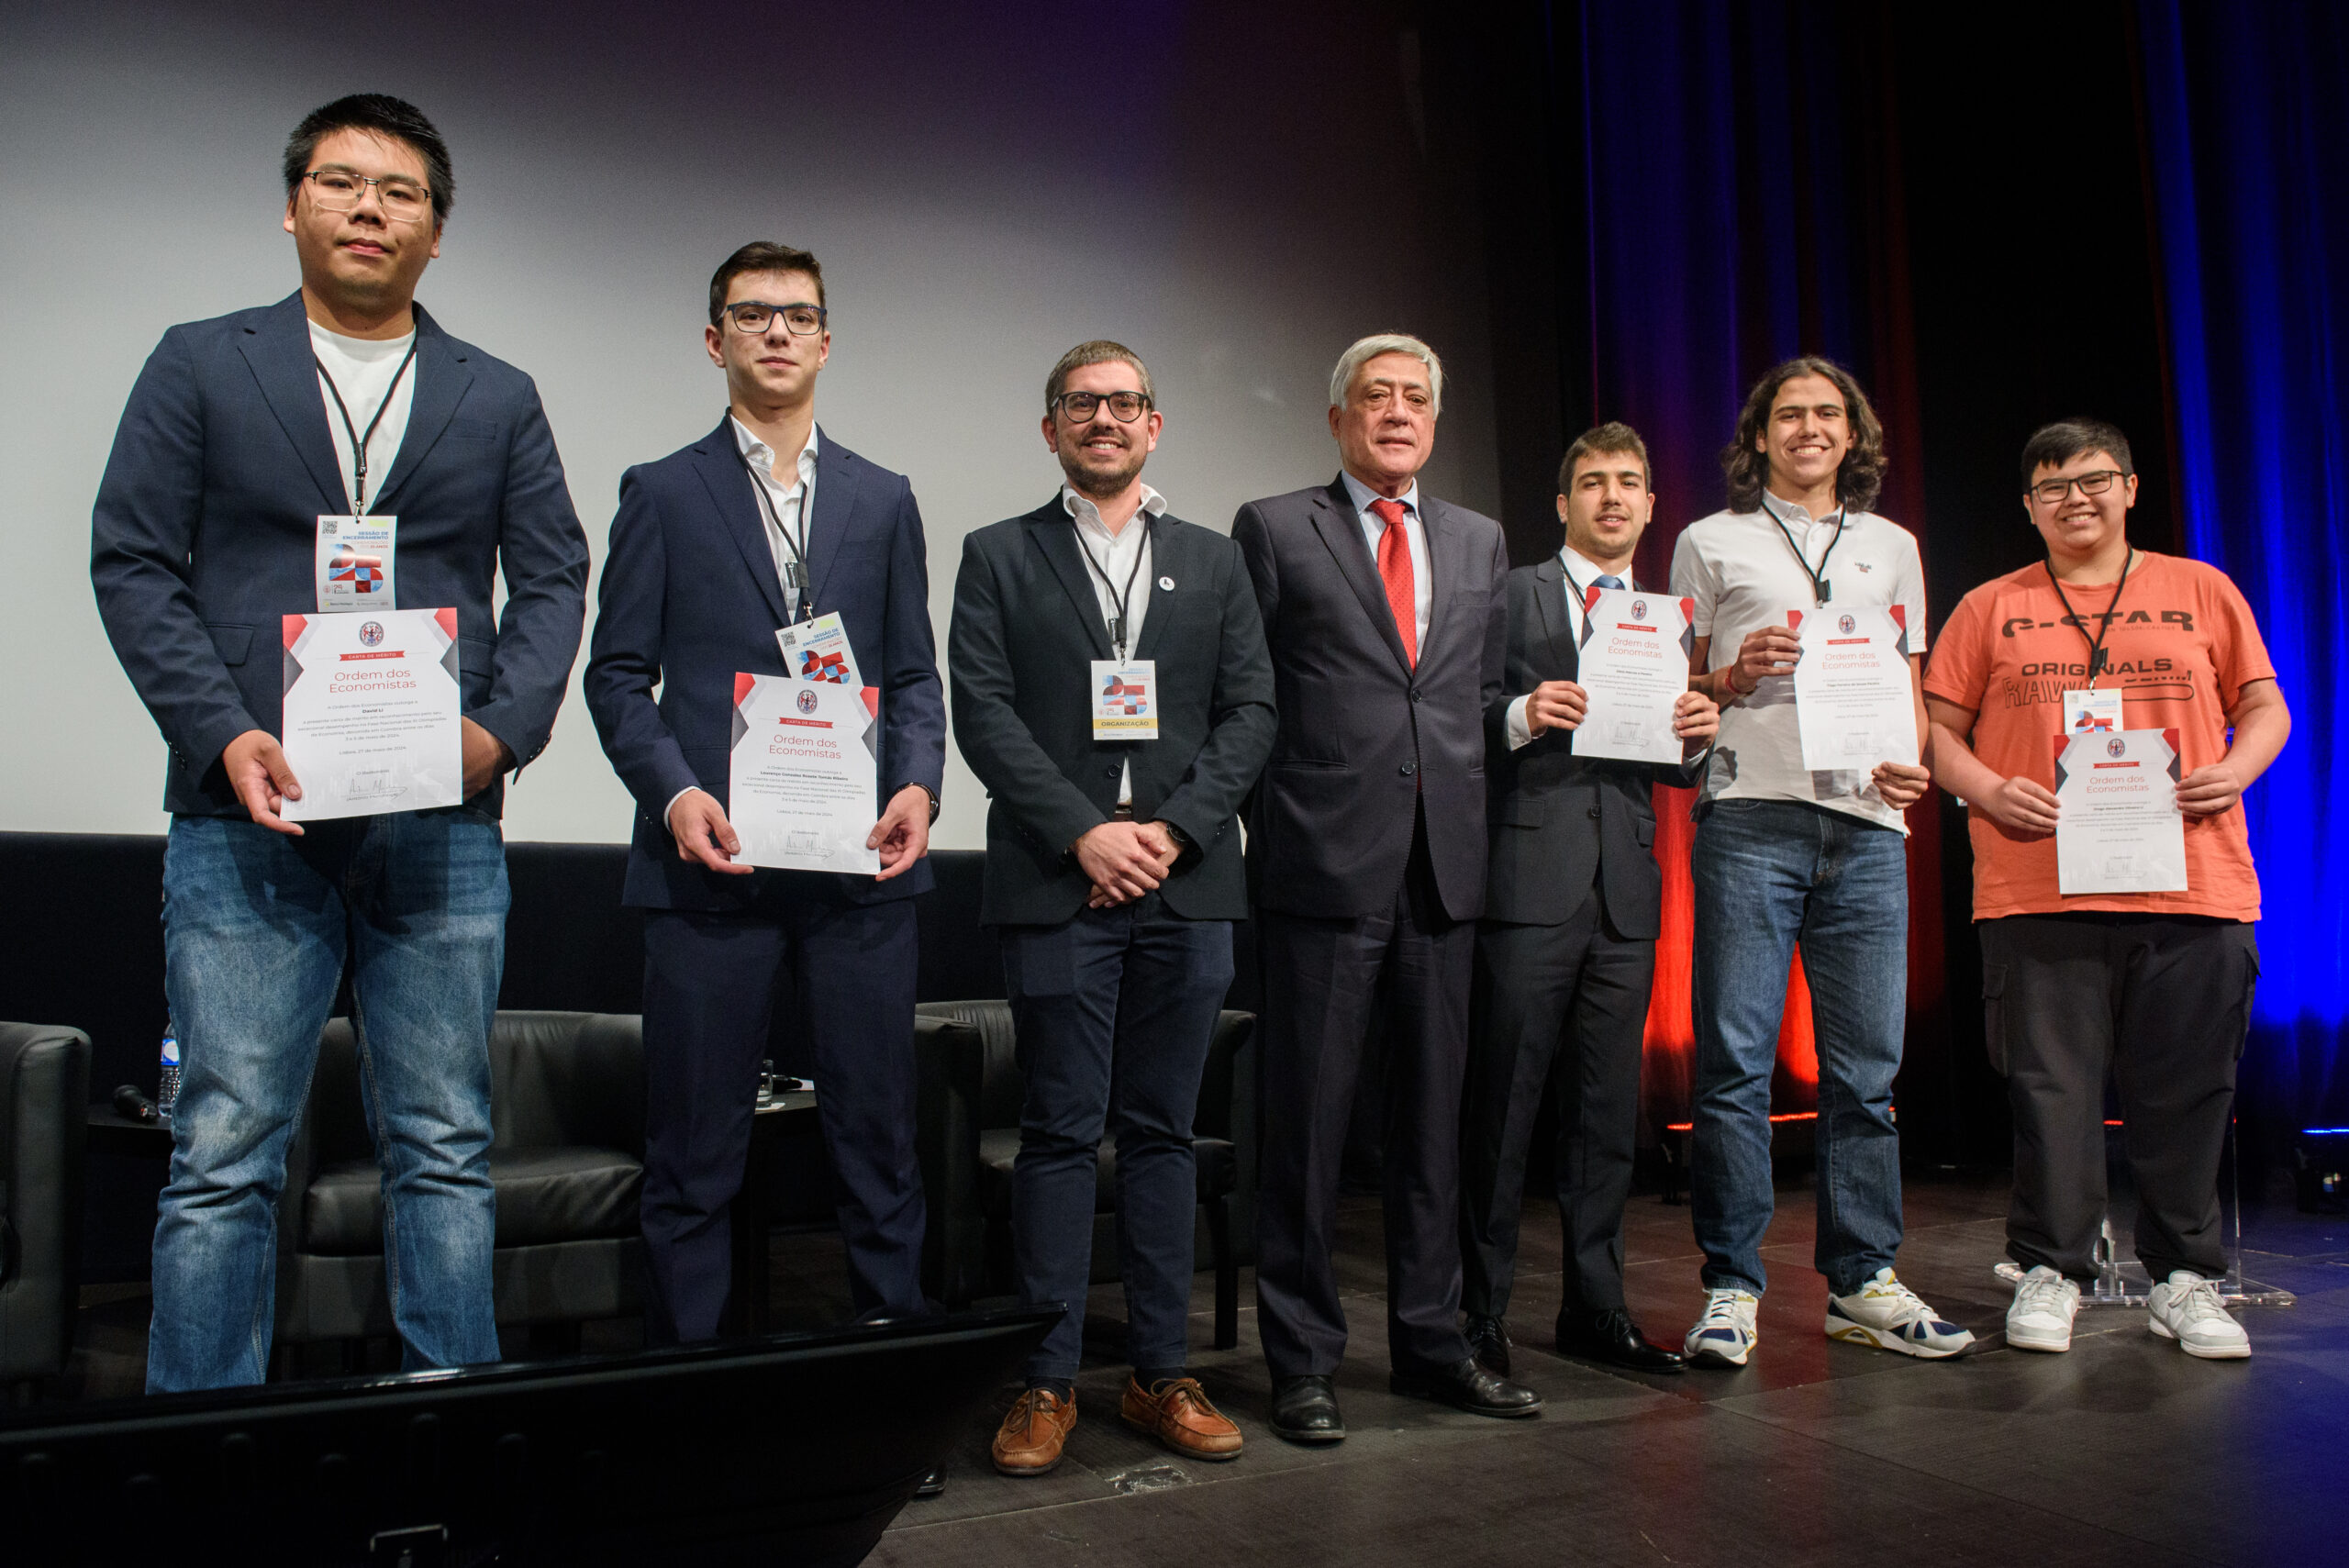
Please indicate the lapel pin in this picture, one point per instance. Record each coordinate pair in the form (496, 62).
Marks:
(1166, 584)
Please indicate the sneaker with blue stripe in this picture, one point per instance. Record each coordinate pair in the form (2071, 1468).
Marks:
(1887, 1315)
(1725, 1335)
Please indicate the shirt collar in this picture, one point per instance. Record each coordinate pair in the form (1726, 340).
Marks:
(1088, 515)
(1361, 495)
(1582, 569)
(761, 456)
(1778, 505)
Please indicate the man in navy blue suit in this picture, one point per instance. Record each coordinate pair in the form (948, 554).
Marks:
(243, 437)
(764, 523)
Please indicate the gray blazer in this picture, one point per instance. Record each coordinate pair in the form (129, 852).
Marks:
(1365, 737)
(1561, 821)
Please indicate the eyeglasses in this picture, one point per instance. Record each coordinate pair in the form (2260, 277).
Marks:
(753, 316)
(335, 189)
(1080, 406)
(2051, 492)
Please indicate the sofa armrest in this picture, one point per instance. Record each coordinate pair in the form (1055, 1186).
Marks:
(44, 1113)
(949, 1066)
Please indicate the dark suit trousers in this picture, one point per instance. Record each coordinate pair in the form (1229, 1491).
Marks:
(709, 982)
(1115, 1009)
(1577, 991)
(1323, 978)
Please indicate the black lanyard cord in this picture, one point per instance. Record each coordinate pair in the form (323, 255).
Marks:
(358, 441)
(2111, 614)
(1822, 590)
(1122, 595)
(796, 568)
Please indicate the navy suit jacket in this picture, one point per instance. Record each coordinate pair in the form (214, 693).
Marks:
(1365, 736)
(206, 527)
(1027, 627)
(690, 596)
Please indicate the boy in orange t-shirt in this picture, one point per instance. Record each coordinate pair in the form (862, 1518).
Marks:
(2156, 986)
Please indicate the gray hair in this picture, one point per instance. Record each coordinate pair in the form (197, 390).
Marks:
(1368, 349)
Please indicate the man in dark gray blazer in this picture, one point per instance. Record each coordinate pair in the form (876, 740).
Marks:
(1366, 840)
(244, 438)
(1111, 690)
(1567, 952)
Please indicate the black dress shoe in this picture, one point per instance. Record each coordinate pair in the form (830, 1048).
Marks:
(1305, 1410)
(1488, 1343)
(933, 1484)
(1607, 1334)
(1467, 1386)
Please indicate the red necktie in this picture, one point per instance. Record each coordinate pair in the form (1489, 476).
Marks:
(1395, 571)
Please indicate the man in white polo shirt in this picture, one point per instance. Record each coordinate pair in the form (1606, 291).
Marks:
(1784, 854)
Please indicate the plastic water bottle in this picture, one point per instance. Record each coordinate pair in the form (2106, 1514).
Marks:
(167, 1091)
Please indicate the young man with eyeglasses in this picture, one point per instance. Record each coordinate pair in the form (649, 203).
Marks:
(765, 524)
(1112, 693)
(1784, 855)
(246, 436)
(2155, 988)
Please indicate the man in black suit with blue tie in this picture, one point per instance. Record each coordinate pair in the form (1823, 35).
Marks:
(1565, 953)
(1111, 692)
(762, 523)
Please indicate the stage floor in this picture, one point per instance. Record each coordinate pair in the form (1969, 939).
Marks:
(2125, 1450)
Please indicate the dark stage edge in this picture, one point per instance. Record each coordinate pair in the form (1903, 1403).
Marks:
(2124, 1451)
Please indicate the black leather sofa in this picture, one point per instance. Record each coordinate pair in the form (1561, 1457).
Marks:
(44, 1093)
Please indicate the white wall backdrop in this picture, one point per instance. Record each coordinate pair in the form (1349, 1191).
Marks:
(1237, 192)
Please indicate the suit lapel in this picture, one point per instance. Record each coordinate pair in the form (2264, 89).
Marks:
(828, 527)
(1055, 535)
(728, 483)
(1443, 544)
(1558, 627)
(279, 355)
(442, 378)
(1340, 528)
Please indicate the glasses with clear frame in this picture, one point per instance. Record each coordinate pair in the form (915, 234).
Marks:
(1080, 406)
(753, 316)
(337, 189)
(2051, 492)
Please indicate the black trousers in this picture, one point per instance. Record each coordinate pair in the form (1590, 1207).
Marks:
(1322, 979)
(2162, 1004)
(1579, 990)
(709, 982)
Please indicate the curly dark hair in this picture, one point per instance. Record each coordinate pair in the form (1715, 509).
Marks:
(1861, 476)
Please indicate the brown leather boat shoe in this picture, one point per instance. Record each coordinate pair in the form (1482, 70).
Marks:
(1029, 1441)
(1177, 1413)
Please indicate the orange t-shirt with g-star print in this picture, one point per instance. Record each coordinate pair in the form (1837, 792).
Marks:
(2181, 646)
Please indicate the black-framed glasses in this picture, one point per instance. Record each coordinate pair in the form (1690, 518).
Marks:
(1080, 406)
(753, 316)
(335, 189)
(2051, 492)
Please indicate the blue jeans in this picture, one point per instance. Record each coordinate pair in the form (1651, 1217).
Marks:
(1769, 873)
(255, 928)
(1115, 1009)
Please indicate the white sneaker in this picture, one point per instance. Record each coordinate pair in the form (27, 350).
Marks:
(2186, 1307)
(1887, 1315)
(2041, 1317)
(1725, 1335)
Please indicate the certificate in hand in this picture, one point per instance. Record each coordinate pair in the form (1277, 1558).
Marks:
(1854, 697)
(1633, 666)
(369, 722)
(2118, 829)
(801, 787)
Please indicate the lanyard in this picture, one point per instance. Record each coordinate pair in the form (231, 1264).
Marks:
(359, 442)
(795, 571)
(1821, 588)
(1580, 597)
(2111, 614)
(1118, 621)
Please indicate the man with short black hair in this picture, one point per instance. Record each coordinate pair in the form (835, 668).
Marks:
(1786, 855)
(247, 437)
(1565, 952)
(764, 524)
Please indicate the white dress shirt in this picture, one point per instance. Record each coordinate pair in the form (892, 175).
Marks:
(1581, 573)
(1414, 533)
(1119, 556)
(363, 368)
(786, 505)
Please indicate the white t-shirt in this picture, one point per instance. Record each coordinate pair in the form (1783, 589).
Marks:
(362, 369)
(1741, 570)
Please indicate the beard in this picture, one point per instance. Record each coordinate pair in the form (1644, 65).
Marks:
(1100, 484)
